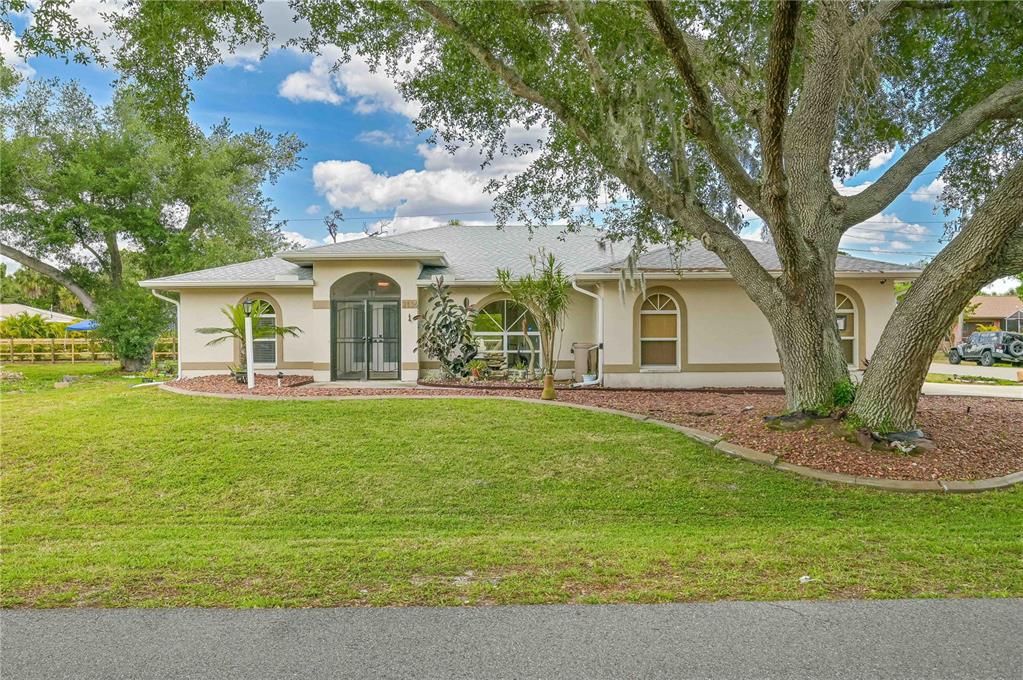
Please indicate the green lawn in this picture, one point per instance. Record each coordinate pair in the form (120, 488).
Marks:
(115, 496)
(968, 379)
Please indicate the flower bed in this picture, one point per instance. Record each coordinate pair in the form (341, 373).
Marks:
(976, 444)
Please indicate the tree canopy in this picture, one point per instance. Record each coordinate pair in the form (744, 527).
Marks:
(95, 197)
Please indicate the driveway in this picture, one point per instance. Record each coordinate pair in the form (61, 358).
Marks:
(973, 369)
(846, 639)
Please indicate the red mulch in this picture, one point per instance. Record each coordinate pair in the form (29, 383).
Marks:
(986, 442)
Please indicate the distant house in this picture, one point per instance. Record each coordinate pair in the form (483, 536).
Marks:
(1003, 311)
(8, 309)
(356, 303)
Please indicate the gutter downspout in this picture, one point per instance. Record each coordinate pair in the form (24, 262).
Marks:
(600, 329)
(177, 324)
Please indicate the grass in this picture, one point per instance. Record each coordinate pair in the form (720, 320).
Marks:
(968, 379)
(115, 497)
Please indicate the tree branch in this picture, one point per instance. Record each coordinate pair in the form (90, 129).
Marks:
(1007, 101)
(634, 172)
(597, 74)
(781, 43)
(702, 113)
(50, 272)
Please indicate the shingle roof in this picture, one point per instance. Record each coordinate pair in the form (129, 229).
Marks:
(265, 270)
(995, 306)
(694, 257)
(369, 245)
(474, 253)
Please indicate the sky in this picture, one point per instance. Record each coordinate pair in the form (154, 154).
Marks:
(364, 157)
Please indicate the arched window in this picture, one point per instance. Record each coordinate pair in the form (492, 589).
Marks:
(264, 349)
(845, 317)
(659, 331)
(506, 328)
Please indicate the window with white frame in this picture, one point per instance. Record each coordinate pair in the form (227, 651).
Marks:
(506, 328)
(659, 332)
(264, 349)
(845, 318)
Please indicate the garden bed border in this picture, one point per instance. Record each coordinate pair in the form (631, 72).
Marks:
(712, 440)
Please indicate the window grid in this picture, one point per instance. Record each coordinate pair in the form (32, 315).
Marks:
(659, 305)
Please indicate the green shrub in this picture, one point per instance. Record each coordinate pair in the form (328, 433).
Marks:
(844, 393)
(132, 319)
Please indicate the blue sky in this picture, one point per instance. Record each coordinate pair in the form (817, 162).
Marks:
(364, 157)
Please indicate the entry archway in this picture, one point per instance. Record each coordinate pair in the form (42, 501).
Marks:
(365, 327)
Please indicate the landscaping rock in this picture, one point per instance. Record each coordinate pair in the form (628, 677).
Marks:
(60, 384)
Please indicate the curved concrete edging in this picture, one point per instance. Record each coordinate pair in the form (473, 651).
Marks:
(708, 438)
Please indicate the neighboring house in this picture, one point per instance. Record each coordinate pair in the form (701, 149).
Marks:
(690, 325)
(1003, 311)
(8, 309)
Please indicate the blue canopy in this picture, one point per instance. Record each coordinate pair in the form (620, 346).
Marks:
(87, 325)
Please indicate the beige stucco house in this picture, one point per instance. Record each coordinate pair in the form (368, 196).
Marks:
(689, 325)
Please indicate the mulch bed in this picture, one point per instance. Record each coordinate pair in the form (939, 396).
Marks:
(976, 437)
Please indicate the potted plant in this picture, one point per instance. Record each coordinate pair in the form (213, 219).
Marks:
(478, 369)
(518, 371)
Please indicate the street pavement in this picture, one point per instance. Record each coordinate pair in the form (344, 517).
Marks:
(847, 639)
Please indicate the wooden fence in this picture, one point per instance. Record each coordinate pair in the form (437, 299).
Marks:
(73, 350)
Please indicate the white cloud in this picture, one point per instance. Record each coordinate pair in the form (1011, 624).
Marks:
(377, 138)
(844, 190)
(885, 233)
(313, 85)
(929, 193)
(880, 159)
(300, 240)
(449, 185)
(331, 80)
(1006, 286)
(8, 52)
(313, 209)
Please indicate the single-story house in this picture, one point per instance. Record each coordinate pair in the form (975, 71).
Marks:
(689, 325)
(1004, 312)
(9, 309)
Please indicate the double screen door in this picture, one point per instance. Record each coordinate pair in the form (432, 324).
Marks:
(367, 342)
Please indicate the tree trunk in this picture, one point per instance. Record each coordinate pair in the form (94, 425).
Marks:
(989, 246)
(811, 360)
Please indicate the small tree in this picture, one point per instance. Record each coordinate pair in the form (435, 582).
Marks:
(132, 319)
(447, 330)
(545, 294)
(236, 316)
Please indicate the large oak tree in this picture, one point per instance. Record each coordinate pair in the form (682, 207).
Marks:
(667, 115)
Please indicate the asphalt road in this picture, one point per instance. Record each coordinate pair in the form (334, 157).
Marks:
(879, 639)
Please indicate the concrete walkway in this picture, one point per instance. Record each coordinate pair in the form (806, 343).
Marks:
(998, 391)
(850, 639)
(973, 369)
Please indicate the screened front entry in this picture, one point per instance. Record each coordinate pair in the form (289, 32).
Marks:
(366, 328)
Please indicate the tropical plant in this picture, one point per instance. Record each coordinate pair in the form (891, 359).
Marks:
(446, 330)
(478, 368)
(545, 294)
(25, 325)
(235, 314)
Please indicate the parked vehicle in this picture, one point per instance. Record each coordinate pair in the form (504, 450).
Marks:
(988, 347)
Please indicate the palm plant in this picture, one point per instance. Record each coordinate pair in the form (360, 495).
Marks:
(545, 293)
(236, 316)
